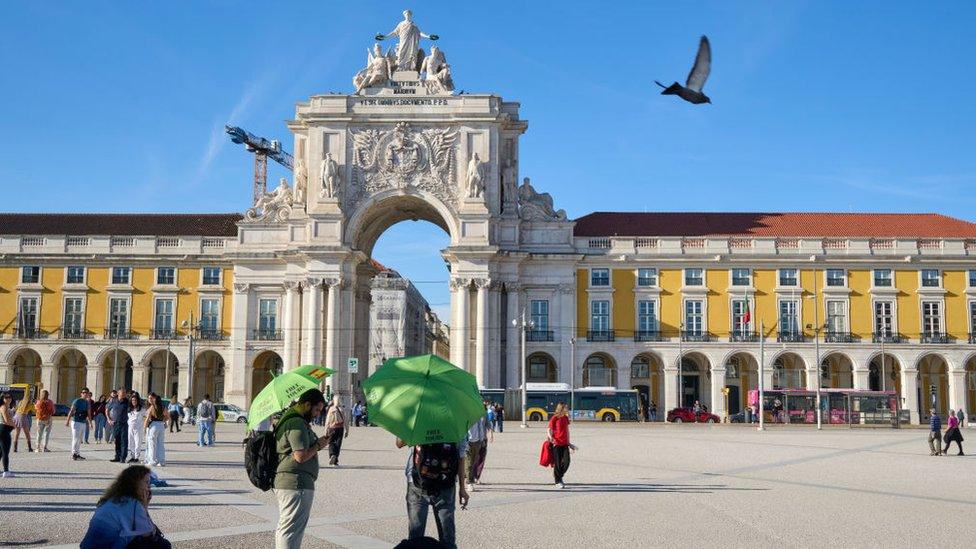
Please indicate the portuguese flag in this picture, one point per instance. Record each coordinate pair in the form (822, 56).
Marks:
(748, 316)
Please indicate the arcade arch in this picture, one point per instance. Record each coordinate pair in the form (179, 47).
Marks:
(933, 384)
(695, 380)
(208, 376)
(72, 372)
(265, 366)
(741, 376)
(789, 372)
(837, 371)
(26, 366)
(599, 370)
(541, 368)
(162, 373)
(647, 377)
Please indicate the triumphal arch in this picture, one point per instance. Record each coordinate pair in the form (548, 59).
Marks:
(404, 145)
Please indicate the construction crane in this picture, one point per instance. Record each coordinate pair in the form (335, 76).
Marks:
(263, 150)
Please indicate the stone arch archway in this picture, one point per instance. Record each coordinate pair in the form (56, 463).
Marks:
(933, 384)
(837, 371)
(162, 376)
(72, 374)
(789, 371)
(647, 377)
(208, 376)
(599, 370)
(116, 365)
(886, 375)
(541, 367)
(266, 365)
(25, 365)
(695, 379)
(741, 376)
(387, 208)
(971, 387)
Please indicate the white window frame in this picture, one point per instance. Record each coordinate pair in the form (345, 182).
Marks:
(111, 276)
(779, 277)
(941, 318)
(845, 315)
(40, 275)
(609, 283)
(37, 313)
(277, 310)
(891, 279)
(826, 279)
(176, 275)
(704, 314)
(971, 311)
(609, 314)
(127, 327)
(654, 277)
(156, 300)
(921, 278)
(220, 276)
(799, 315)
(971, 278)
(548, 314)
(733, 299)
(656, 304)
(732, 283)
(220, 306)
(84, 274)
(684, 278)
(64, 310)
(894, 316)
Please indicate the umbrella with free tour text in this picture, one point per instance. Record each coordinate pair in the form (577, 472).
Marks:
(423, 399)
(281, 391)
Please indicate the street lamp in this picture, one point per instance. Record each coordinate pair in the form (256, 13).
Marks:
(189, 326)
(681, 386)
(522, 325)
(816, 346)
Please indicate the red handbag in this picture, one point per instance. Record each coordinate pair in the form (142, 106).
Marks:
(545, 456)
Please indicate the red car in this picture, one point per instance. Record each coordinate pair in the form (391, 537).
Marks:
(687, 415)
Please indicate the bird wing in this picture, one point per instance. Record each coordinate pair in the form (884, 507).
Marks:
(703, 66)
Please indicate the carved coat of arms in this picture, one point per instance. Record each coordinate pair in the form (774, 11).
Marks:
(405, 157)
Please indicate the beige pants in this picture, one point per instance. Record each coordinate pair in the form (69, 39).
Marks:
(293, 510)
(935, 437)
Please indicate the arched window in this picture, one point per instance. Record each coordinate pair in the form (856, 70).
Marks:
(541, 368)
(640, 367)
(598, 372)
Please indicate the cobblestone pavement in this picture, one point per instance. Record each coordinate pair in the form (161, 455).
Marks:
(629, 485)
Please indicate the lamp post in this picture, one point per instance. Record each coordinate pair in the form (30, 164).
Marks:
(115, 364)
(816, 347)
(522, 325)
(190, 326)
(681, 400)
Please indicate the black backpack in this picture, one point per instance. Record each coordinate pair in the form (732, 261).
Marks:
(261, 459)
(435, 466)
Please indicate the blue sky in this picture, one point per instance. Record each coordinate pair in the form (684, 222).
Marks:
(849, 106)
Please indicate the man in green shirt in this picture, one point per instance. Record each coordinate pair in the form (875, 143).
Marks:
(298, 467)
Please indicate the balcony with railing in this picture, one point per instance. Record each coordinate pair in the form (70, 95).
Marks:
(538, 335)
(936, 337)
(648, 335)
(265, 334)
(887, 337)
(972, 338)
(210, 334)
(695, 335)
(118, 333)
(163, 333)
(29, 333)
(73, 332)
(600, 335)
(790, 337)
(743, 336)
(831, 336)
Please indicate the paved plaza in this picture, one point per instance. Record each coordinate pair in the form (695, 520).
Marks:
(630, 485)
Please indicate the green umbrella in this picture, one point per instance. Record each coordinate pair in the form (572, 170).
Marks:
(283, 390)
(423, 399)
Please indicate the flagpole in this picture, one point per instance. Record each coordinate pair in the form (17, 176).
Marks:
(762, 370)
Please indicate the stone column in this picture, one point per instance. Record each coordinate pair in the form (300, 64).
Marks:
(957, 389)
(183, 380)
(481, 337)
(718, 397)
(49, 380)
(459, 331)
(671, 395)
(291, 326)
(909, 390)
(6, 374)
(862, 379)
(493, 377)
(313, 322)
(333, 333)
(514, 358)
(94, 380)
(237, 387)
(566, 298)
(140, 379)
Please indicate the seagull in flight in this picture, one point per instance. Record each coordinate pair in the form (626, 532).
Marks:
(692, 90)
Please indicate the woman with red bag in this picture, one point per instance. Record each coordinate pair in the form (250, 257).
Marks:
(558, 435)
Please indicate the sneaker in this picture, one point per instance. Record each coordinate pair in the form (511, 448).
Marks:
(80, 457)
(471, 487)
(561, 485)
(113, 460)
(133, 460)
(46, 450)
(74, 457)
(7, 474)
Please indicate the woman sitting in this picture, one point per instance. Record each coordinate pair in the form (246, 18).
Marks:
(122, 515)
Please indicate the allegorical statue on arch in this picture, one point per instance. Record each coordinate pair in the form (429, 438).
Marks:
(406, 56)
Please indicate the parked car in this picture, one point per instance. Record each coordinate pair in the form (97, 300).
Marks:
(231, 413)
(61, 409)
(687, 415)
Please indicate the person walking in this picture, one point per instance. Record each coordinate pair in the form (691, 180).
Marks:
(117, 412)
(961, 416)
(22, 421)
(953, 434)
(44, 407)
(174, 410)
(432, 472)
(479, 435)
(558, 433)
(136, 426)
(298, 468)
(935, 433)
(79, 418)
(499, 417)
(206, 415)
(490, 409)
(91, 417)
(155, 431)
(6, 427)
(188, 411)
(357, 412)
(336, 429)
(652, 411)
(99, 419)
(121, 516)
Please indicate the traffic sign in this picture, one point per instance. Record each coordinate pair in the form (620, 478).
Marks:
(353, 365)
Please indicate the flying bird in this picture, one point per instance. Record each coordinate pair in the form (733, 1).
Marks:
(692, 90)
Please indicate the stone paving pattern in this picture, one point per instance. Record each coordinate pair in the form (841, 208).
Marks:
(637, 485)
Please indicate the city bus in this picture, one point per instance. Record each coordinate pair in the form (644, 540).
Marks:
(839, 406)
(590, 403)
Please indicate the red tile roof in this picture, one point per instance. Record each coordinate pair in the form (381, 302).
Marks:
(784, 224)
(165, 224)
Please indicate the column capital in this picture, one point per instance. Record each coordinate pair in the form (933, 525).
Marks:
(241, 287)
(513, 287)
(311, 282)
(291, 285)
(482, 283)
(334, 282)
(566, 288)
(458, 283)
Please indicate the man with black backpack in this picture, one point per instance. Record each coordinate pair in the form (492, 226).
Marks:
(432, 472)
(298, 467)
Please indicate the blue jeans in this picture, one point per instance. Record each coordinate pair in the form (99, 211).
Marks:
(418, 502)
(120, 432)
(100, 428)
(205, 426)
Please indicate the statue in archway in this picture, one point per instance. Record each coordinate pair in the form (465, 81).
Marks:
(329, 174)
(476, 176)
(408, 53)
(536, 205)
(301, 182)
